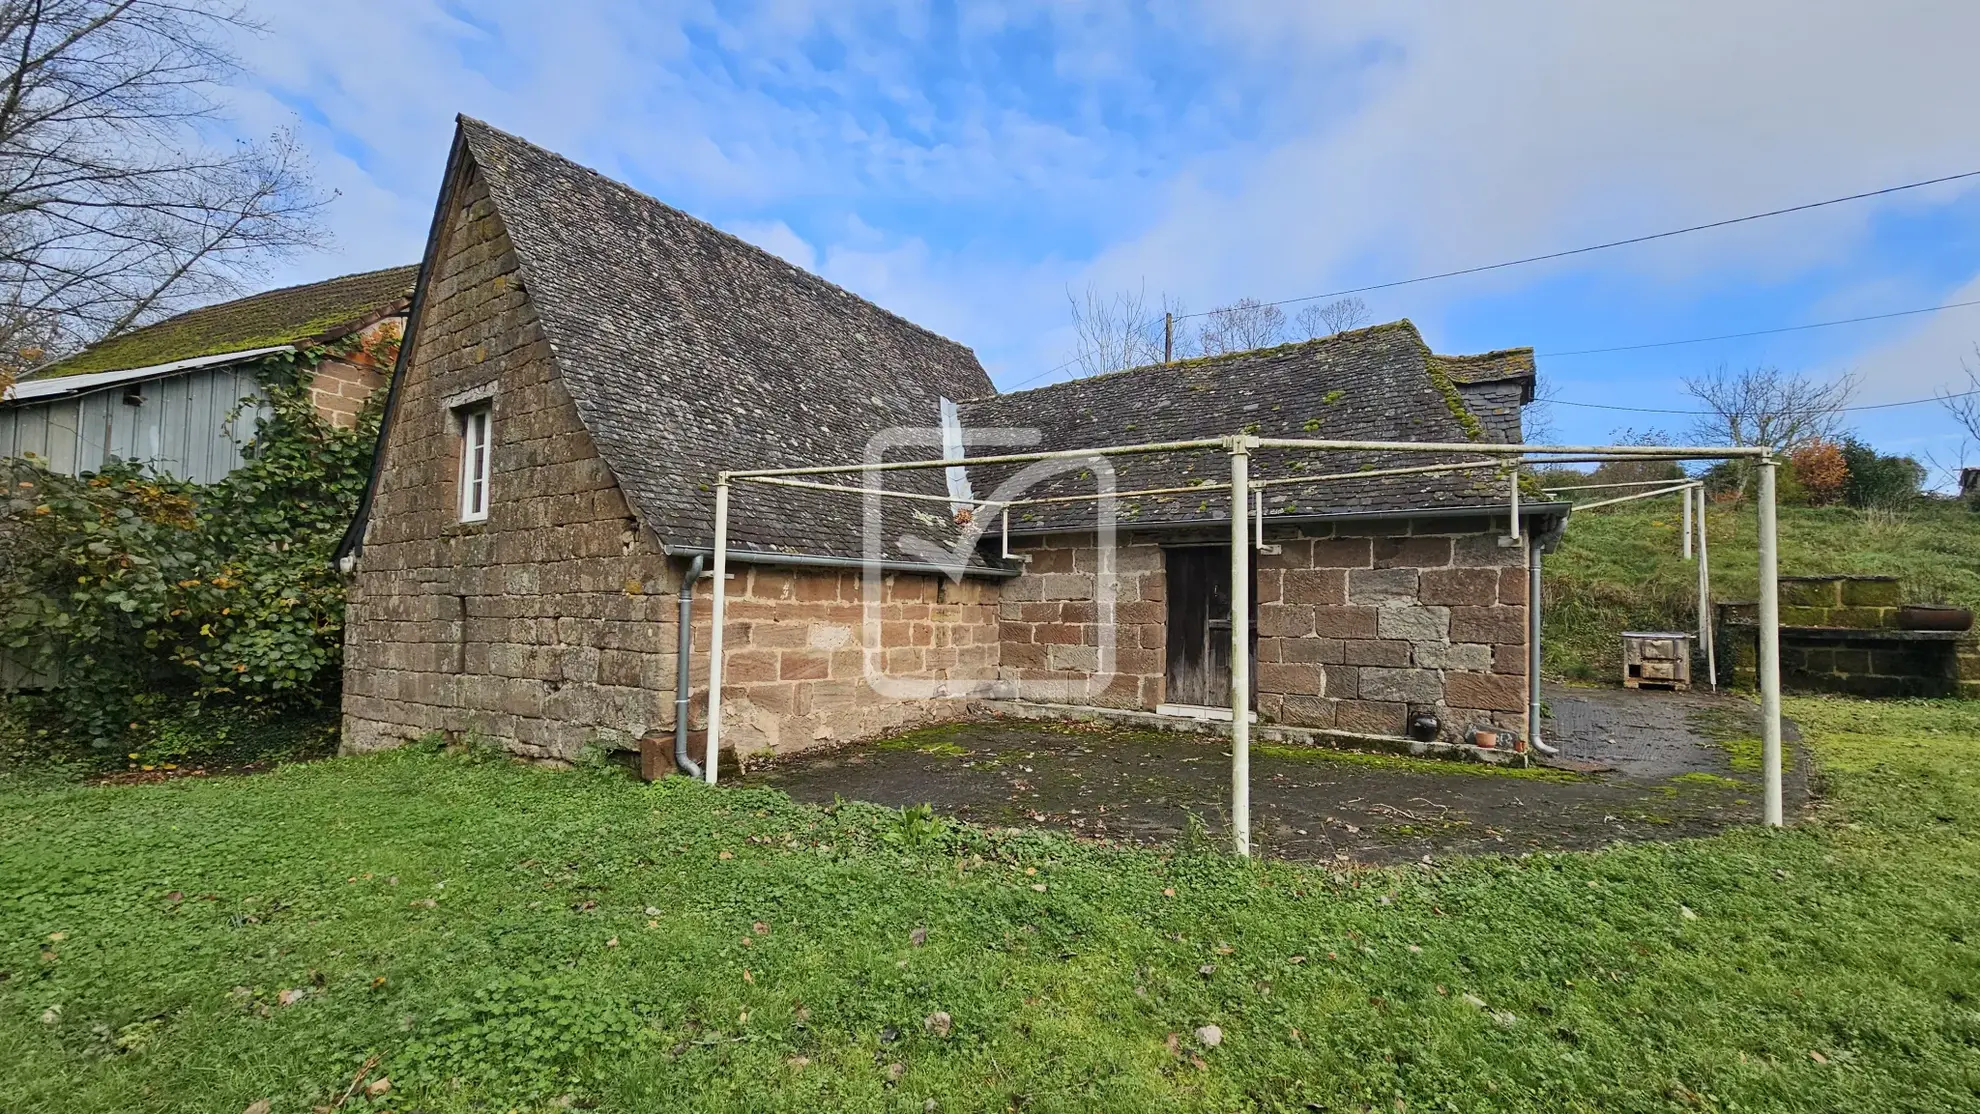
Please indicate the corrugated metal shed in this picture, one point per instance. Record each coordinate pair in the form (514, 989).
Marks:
(190, 424)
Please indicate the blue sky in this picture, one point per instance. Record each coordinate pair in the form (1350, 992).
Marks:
(968, 165)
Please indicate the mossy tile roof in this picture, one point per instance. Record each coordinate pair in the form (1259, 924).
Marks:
(275, 317)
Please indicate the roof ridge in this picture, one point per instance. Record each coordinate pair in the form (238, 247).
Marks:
(633, 191)
(1402, 323)
(269, 293)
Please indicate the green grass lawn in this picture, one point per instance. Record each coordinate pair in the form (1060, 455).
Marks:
(1620, 568)
(505, 937)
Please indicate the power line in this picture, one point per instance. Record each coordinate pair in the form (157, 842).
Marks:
(1603, 247)
(1615, 243)
(1708, 413)
(1761, 332)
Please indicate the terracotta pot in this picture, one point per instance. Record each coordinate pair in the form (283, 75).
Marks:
(1488, 740)
(1934, 616)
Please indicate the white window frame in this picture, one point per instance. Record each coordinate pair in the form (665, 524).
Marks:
(476, 429)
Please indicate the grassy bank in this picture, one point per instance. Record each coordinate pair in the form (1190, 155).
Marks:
(1620, 567)
(493, 936)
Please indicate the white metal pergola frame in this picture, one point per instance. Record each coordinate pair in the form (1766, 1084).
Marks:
(1239, 446)
(1693, 493)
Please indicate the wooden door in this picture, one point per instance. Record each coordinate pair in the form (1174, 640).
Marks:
(1199, 636)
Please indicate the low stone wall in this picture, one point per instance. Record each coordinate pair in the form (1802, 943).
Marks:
(1839, 633)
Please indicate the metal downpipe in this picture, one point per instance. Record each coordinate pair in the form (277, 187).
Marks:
(1533, 649)
(682, 762)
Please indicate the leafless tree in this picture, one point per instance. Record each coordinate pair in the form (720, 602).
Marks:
(1241, 326)
(1964, 406)
(114, 207)
(1536, 420)
(1329, 318)
(1118, 330)
(1767, 406)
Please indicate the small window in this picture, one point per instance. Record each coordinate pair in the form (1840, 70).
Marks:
(474, 462)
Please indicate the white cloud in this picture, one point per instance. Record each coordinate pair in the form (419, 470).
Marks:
(1394, 140)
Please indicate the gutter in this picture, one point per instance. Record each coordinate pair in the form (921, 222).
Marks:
(814, 560)
(684, 647)
(1527, 513)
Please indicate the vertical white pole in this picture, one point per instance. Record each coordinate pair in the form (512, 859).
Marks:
(1770, 647)
(1534, 742)
(720, 610)
(1707, 635)
(1687, 525)
(1240, 647)
(1514, 532)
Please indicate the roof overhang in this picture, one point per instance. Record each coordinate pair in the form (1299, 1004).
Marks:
(66, 386)
(1528, 512)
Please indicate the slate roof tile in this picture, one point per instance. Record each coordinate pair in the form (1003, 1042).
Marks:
(689, 351)
(1373, 384)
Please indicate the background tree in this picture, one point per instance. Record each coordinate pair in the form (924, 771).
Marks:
(1119, 330)
(115, 208)
(1330, 318)
(1241, 326)
(1964, 406)
(1821, 470)
(1878, 481)
(1766, 406)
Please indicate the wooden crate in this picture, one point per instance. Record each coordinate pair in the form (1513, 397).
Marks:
(1660, 659)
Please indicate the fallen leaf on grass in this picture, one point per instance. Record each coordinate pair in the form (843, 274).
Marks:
(289, 997)
(1039, 886)
(895, 1071)
(1685, 912)
(258, 1106)
(725, 855)
(938, 1023)
(378, 1087)
(1209, 1036)
(759, 928)
(1207, 970)
(919, 936)
(1817, 1057)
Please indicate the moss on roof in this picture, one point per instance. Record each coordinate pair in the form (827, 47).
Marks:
(294, 313)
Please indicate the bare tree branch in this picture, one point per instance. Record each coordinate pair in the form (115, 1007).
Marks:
(1337, 316)
(1119, 330)
(114, 209)
(1767, 406)
(1241, 326)
(1964, 406)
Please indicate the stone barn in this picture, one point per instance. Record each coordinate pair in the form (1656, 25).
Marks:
(581, 360)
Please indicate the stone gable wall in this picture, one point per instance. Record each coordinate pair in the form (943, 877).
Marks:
(552, 625)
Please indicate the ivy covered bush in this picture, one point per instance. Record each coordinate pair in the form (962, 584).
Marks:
(147, 599)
